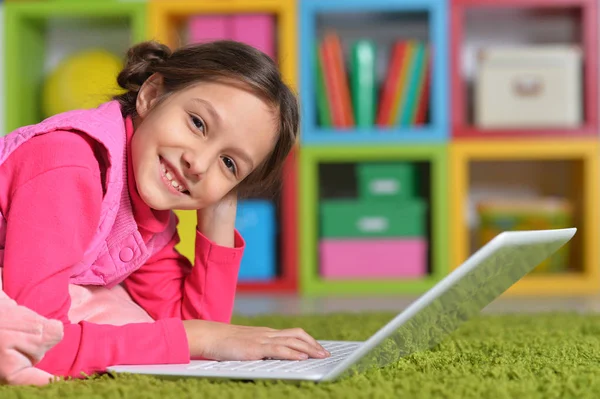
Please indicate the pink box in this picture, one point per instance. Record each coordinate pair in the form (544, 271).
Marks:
(202, 29)
(349, 258)
(257, 30)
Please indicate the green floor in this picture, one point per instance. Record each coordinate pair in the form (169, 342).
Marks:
(553, 355)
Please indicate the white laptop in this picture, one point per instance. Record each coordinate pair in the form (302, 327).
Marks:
(461, 295)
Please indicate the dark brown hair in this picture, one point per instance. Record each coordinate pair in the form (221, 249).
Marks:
(222, 61)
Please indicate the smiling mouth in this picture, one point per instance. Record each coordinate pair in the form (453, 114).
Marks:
(171, 178)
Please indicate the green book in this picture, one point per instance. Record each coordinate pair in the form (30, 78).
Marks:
(419, 81)
(364, 90)
(405, 114)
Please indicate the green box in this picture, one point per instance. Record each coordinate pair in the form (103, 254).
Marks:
(387, 181)
(367, 219)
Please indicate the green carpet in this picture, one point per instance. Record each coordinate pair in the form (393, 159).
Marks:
(511, 356)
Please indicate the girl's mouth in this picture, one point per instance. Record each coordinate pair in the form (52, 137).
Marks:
(170, 179)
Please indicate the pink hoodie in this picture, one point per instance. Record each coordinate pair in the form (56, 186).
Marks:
(94, 256)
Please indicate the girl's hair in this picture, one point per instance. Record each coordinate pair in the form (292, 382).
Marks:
(219, 61)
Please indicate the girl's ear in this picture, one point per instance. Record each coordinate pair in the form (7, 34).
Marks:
(149, 94)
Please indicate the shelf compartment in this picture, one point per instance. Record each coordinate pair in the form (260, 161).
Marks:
(565, 169)
(423, 20)
(476, 23)
(50, 30)
(320, 166)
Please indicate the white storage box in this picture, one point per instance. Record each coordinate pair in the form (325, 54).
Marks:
(529, 87)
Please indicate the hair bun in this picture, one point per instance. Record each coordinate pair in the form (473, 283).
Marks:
(142, 60)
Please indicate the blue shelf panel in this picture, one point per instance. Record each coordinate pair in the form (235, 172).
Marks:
(313, 6)
(438, 127)
(423, 134)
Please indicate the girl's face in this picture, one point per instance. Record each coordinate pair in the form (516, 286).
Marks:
(193, 148)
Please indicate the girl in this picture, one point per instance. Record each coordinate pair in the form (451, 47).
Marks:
(87, 232)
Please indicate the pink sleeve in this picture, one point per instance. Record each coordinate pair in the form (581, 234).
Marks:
(168, 286)
(51, 218)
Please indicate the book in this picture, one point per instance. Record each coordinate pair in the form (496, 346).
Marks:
(400, 96)
(424, 94)
(331, 84)
(323, 107)
(405, 116)
(364, 82)
(391, 84)
(340, 76)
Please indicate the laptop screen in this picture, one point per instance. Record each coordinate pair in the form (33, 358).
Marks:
(457, 298)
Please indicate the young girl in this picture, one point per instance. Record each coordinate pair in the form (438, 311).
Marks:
(87, 233)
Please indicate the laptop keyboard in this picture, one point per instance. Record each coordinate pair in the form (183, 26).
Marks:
(338, 350)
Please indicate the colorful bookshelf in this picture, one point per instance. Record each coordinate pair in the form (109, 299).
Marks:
(168, 24)
(582, 15)
(455, 155)
(432, 159)
(564, 168)
(28, 27)
(379, 23)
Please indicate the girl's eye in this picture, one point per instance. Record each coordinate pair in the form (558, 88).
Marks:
(229, 164)
(198, 123)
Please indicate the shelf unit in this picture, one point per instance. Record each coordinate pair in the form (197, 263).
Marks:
(311, 157)
(586, 175)
(449, 142)
(436, 14)
(462, 127)
(165, 18)
(26, 28)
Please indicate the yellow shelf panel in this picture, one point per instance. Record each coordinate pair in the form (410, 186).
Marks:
(585, 150)
(525, 148)
(552, 285)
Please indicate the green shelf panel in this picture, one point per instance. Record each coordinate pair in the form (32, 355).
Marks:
(25, 41)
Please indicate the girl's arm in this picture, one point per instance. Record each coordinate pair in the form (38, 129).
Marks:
(52, 211)
(168, 286)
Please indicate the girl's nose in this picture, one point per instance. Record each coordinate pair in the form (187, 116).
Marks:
(195, 165)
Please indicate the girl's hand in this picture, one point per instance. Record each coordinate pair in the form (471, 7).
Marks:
(25, 337)
(221, 341)
(217, 222)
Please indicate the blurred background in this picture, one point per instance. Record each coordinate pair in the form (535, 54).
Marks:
(428, 127)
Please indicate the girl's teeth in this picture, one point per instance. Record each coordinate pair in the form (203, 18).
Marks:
(169, 176)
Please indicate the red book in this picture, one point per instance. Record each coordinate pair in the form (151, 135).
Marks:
(342, 84)
(332, 82)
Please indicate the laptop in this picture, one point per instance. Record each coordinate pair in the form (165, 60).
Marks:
(458, 297)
